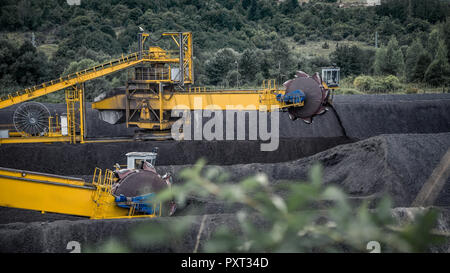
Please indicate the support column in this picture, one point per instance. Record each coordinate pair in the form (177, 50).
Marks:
(161, 86)
(82, 113)
(127, 104)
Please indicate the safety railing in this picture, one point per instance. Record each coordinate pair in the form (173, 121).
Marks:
(103, 190)
(149, 55)
(161, 54)
(123, 59)
(200, 89)
(54, 127)
(152, 74)
(269, 84)
(103, 183)
(269, 97)
(97, 177)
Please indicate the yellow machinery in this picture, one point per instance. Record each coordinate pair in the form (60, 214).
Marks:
(161, 80)
(155, 58)
(107, 196)
(62, 194)
(149, 108)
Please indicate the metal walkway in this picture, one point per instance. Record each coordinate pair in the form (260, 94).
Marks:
(72, 79)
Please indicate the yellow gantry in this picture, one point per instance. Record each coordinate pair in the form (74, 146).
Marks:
(220, 100)
(152, 55)
(197, 98)
(165, 62)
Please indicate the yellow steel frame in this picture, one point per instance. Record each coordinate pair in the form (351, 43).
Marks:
(70, 80)
(75, 94)
(197, 98)
(153, 55)
(188, 52)
(327, 87)
(264, 98)
(225, 99)
(40, 139)
(61, 194)
(238, 99)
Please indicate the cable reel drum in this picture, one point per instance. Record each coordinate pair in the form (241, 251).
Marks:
(316, 96)
(31, 119)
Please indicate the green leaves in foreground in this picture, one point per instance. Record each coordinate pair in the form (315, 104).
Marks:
(284, 217)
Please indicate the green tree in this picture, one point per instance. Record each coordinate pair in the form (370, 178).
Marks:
(389, 60)
(282, 60)
(446, 36)
(30, 66)
(438, 73)
(364, 83)
(248, 65)
(422, 65)
(353, 60)
(220, 64)
(253, 13)
(289, 6)
(413, 53)
(433, 42)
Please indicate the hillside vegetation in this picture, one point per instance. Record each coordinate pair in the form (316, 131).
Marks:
(236, 42)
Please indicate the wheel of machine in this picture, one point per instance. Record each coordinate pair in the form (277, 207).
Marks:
(31, 119)
(315, 96)
(140, 182)
(143, 182)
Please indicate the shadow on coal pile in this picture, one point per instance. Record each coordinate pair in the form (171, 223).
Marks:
(69, 159)
(397, 165)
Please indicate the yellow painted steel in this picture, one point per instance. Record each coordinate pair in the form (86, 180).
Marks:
(60, 194)
(188, 53)
(74, 94)
(327, 87)
(196, 98)
(37, 139)
(153, 125)
(70, 80)
(238, 99)
(27, 190)
(153, 55)
(193, 98)
(201, 98)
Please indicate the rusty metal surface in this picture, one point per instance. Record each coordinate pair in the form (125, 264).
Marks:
(139, 183)
(314, 96)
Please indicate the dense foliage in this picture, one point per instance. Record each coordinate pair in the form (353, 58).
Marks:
(236, 42)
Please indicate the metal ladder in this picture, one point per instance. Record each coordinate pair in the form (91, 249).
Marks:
(72, 97)
(103, 190)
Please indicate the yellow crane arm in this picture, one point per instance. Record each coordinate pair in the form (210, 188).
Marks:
(70, 80)
(222, 100)
(60, 194)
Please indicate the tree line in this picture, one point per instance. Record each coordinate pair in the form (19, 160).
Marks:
(236, 42)
(425, 60)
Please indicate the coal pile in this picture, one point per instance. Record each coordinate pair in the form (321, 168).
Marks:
(385, 145)
(393, 165)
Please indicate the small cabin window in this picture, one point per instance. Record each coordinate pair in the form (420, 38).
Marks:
(331, 76)
(138, 163)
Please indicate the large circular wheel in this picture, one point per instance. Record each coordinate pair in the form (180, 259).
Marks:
(31, 119)
(315, 96)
